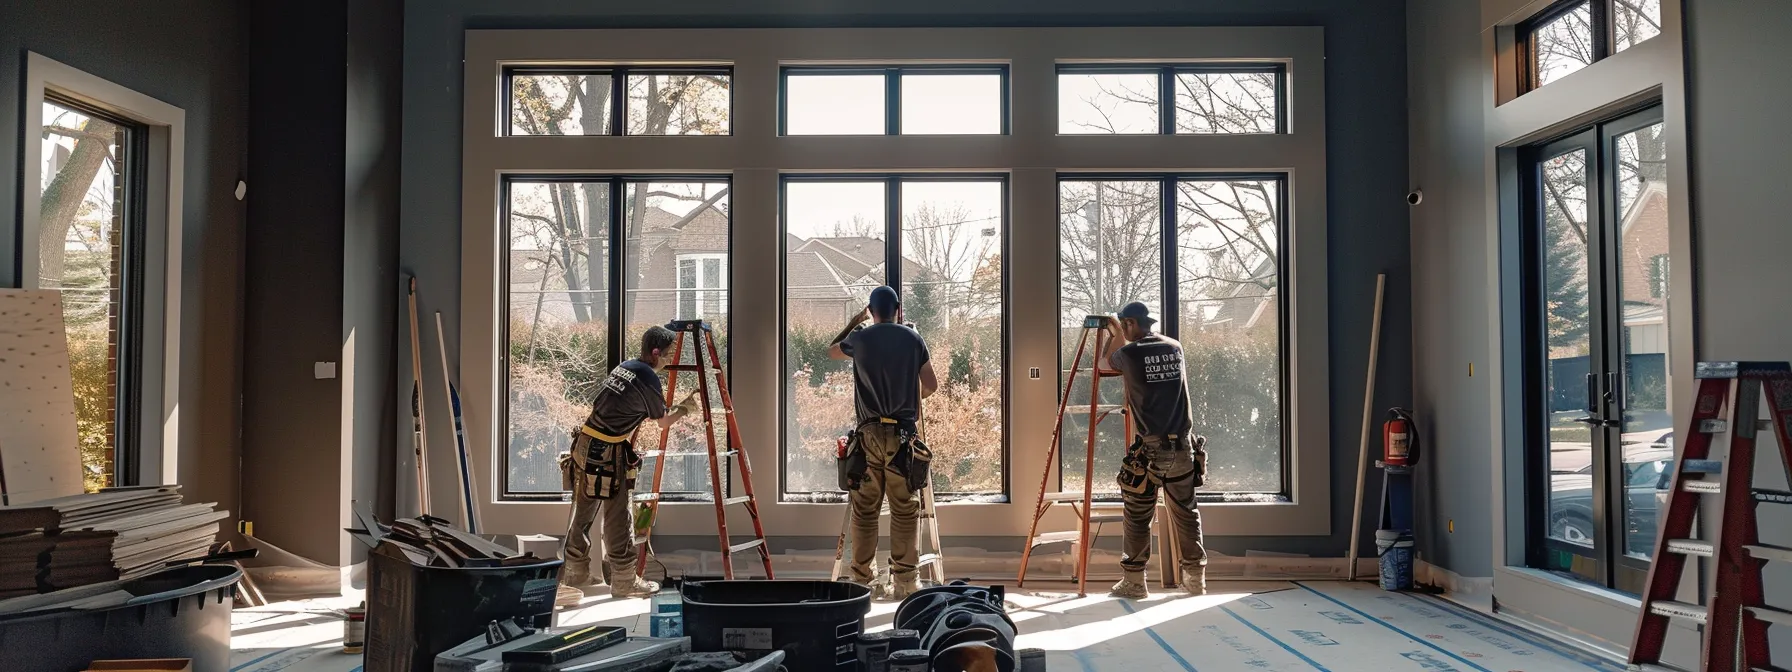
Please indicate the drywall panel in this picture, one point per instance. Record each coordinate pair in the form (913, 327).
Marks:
(39, 458)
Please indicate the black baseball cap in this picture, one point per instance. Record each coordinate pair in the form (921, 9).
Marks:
(1137, 311)
(884, 301)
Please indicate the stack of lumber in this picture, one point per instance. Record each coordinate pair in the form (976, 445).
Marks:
(114, 534)
(428, 541)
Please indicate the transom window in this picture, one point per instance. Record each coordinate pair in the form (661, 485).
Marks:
(1204, 253)
(654, 101)
(1105, 99)
(915, 100)
(1574, 34)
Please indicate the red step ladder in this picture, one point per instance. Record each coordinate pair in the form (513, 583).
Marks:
(1736, 615)
(706, 365)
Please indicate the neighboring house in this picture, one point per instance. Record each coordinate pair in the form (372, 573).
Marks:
(1644, 270)
(1244, 306)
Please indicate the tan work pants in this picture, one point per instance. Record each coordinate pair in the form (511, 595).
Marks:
(880, 443)
(1172, 468)
(619, 545)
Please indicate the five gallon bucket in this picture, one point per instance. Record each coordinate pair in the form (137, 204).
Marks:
(1395, 549)
(816, 623)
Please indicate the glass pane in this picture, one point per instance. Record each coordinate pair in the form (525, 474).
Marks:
(695, 104)
(1564, 45)
(559, 324)
(1107, 103)
(1228, 252)
(81, 252)
(1110, 253)
(665, 220)
(952, 104)
(560, 104)
(834, 104)
(1648, 434)
(1634, 21)
(1568, 346)
(1226, 102)
(952, 292)
(833, 258)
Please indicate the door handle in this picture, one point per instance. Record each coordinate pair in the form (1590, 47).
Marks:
(1597, 422)
(1592, 395)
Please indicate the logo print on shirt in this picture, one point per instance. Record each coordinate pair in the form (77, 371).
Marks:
(619, 380)
(1163, 368)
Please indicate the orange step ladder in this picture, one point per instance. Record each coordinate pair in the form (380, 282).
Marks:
(705, 365)
(1735, 616)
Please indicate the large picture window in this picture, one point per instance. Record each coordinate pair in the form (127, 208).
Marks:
(578, 304)
(90, 247)
(1205, 254)
(946, 260)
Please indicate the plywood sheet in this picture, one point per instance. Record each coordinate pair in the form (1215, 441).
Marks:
(37, 427)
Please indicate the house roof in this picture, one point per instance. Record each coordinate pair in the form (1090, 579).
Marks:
(809, 276)
(852, 257)
(1652, 191)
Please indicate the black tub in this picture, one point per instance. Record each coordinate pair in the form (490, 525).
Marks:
(414, 613)
(815, 623)
(175, 613)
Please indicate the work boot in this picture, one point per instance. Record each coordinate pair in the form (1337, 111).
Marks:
(1129, 589)
(575, 577)
(568, 596)
(634, 586)
(901, 588)
(1194, 581)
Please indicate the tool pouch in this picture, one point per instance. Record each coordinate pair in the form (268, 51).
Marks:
(1135, 470)
(912, 461)
(567, 473)
(1200, 460)
(849, 462)
(608, 468)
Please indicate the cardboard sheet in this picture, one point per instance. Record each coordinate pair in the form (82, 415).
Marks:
(38, 450)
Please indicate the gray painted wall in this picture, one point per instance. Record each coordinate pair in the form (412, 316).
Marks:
(1365, 108)
(1447, 89)
(188, 53)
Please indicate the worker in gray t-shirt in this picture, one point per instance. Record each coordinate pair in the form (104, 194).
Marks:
(891, 374)
(1162, 453)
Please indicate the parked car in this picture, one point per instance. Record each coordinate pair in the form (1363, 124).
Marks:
(1647, 474)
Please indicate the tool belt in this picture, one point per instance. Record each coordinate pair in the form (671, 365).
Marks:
(1137, 476)
(600, 465)
(913, 459)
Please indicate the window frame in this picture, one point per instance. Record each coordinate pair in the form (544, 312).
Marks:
(892, 185)
(892, 75)
(150, 412)
(1166, 90)
(1602, 15)
(1170, 313)
(616, 317)
(619, 101)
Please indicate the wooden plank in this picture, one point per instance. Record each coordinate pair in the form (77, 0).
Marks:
(39, 457)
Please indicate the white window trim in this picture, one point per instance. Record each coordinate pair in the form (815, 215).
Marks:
(166, 124)
(1032, 155)
(704, 284)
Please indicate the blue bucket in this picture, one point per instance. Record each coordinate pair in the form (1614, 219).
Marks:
(1395, 549)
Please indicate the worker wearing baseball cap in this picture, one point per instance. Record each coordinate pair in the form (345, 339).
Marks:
(1162, 455)
(891, 374)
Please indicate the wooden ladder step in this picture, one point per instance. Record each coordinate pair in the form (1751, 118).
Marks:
(745, 546)
(1056, 537)
(1768, 496)
(1108, 518)
(1773, 615)
(1702, 549)
(688, 453)
(645, 497)
(927, 559)
(731, 501)
(1680, 610)
(1770, 552)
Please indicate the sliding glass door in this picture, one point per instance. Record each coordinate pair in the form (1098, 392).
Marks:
(1600, 427)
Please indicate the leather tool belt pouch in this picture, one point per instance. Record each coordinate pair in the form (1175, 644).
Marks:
(1135, 471)
(608, 467)
(912, 461)
(1200, 461)
(567, 477)
(849, 462)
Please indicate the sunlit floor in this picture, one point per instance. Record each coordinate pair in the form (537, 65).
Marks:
(1243, 625)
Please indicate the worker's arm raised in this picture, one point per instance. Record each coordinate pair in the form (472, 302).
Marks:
(837, 352)
(1104, 365)
(684, 408)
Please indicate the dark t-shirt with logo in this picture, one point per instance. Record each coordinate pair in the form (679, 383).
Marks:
(629, 395)
(1155, 388)
(887, 359)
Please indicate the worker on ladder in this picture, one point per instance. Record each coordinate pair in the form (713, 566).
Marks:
(888, 357)
(601, 469)
(1162, 454)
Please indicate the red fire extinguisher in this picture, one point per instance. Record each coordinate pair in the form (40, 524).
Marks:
(1400, 439)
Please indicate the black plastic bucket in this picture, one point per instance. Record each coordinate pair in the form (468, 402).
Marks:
(815, 623)
(182, 612)
(414, 613)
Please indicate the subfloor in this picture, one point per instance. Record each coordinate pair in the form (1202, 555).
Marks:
(1242, 625)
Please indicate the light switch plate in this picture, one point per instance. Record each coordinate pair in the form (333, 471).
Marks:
(323, 370)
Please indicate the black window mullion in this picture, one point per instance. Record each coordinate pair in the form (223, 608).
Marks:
(617, 256)
(1166, 99)
(1172, 308)
(893, 101)
(893, 233)
(1604, 32)
(618, 101)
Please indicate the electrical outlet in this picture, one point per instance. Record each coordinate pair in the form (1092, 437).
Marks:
(323, 370)
(1033, 373)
